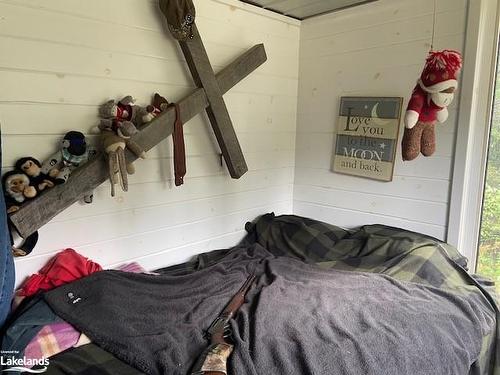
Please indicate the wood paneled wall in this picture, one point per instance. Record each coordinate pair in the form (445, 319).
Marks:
(62, 58)
(376, 49)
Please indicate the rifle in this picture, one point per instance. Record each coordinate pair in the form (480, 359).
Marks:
(213, 360)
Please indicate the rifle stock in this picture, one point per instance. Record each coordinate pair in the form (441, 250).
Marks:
(213, 360)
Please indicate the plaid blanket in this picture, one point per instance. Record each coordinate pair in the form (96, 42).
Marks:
(401, 254)
(88, 360)
(395, 252)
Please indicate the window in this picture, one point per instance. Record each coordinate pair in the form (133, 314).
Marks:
(488, 263)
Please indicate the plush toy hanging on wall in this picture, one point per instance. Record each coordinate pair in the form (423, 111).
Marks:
(18, 190)
(33, 168)
(429, 101)
(124, 117)
(73, 153)
(119, 122)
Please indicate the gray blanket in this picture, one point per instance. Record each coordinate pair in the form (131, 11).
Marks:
(298, 319)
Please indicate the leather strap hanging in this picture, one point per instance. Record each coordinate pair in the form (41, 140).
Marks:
(161, 104)
(179, 147)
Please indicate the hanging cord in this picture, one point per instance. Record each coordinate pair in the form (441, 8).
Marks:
(433, 26)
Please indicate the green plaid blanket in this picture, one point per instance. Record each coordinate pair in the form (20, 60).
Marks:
(88, 360)
(395, 252)
(399, 253)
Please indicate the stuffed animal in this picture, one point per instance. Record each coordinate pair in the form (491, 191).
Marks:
(73, 153)
(159, 104)
(33, 168)
(24, 246)
(124, 117)
(429, 101)
(17, 189)
(114, 146)
(120, 121)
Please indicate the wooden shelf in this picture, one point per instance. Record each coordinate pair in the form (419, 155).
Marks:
(36, 213)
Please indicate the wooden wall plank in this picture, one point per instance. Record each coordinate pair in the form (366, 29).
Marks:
(38, 212)
(160, 242)
(351, 219)
(163, 192)
(115, 225)
(67, 58)
(418, 188)
(386, 12)
(144, 15)
(47, 119)
(373, 50)
(17, 145)
(426, 212)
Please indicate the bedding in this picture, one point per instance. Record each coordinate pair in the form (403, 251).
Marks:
(34, 322)
(407, 264)
(299, 319)
(88, 360)
(401, 254)
(57, 337)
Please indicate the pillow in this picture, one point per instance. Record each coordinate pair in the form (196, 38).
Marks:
(367, 248)
(306, 239)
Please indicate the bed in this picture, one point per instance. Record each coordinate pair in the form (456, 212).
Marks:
(372, 300)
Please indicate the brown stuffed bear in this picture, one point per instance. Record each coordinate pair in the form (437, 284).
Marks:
(429, 101)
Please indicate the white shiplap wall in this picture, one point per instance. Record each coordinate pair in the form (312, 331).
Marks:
(376, 49)
(62, 58)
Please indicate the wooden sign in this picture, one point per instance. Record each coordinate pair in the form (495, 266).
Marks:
(367, 136)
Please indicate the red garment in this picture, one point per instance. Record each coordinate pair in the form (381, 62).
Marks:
(121, 110)
(420, 103)
(63, 268)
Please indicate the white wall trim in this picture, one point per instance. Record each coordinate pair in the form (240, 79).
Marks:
(473, 127)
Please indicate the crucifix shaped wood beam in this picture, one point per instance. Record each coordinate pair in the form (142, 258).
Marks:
(204, 77)
(41, 210)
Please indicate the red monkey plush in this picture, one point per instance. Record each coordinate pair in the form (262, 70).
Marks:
(433, 93)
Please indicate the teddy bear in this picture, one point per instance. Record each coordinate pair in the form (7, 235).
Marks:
(429, 101)
(33, 168)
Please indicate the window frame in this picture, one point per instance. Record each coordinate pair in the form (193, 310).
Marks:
(474, 119)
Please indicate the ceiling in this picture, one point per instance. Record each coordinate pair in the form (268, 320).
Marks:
(302, 9)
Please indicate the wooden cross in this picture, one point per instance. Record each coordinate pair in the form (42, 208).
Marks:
(204, 77)
(36, 213)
